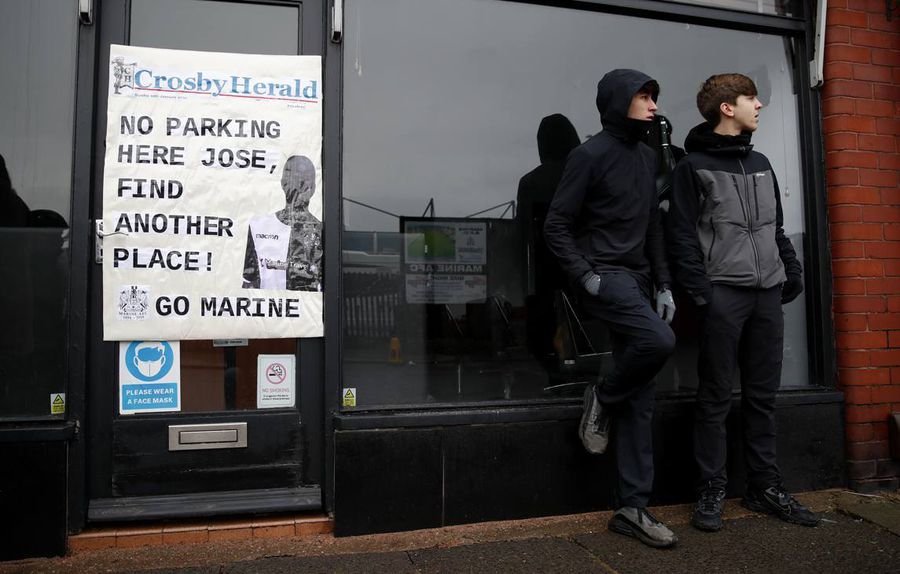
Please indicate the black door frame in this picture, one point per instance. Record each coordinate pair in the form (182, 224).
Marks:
(80, 244)
(332, 213)
(93, 361)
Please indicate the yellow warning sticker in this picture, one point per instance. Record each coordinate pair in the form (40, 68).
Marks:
(57, 403)
(349, 397)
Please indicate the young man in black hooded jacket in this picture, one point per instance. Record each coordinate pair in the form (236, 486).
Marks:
(604, 228)
(730, 254)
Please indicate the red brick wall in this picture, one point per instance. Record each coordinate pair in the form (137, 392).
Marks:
(861, 115)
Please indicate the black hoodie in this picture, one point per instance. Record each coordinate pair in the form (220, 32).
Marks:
(725, 222)
(604, 215)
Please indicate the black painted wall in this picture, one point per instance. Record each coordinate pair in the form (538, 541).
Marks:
(405, 479)
(32, 499)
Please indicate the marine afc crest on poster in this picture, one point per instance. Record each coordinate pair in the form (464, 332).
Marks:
(134, 301)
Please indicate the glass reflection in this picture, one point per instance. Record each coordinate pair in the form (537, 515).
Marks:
(556, 137)
(34, 261)
(36, 127)
(443, 134)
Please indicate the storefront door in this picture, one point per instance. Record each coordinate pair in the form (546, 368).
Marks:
(220, 453)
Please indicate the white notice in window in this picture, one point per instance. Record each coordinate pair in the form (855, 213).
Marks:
(275, 378)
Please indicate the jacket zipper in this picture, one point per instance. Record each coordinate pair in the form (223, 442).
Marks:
(713, 242)
(737, 189)
(756, 198)
(750, 226)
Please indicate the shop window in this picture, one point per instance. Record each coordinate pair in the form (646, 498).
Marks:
(216, 26)
(447, 294)
(37, 55)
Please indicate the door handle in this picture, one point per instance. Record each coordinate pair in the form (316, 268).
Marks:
(98, 240)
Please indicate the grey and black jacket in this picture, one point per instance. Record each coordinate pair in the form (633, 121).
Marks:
(725, 223)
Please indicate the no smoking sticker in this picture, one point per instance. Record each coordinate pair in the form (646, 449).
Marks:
(276, 373)
(275, 381)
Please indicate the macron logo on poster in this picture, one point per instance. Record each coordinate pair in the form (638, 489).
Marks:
(130, 75)
(149, 377)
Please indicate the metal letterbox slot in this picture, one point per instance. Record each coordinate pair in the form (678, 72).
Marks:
(208, 436)
(216, 436)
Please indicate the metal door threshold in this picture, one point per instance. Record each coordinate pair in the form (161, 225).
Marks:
(197, 505)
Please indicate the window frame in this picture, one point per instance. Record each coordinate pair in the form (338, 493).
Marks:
(77, 278)
(675, 11)
(817, 264)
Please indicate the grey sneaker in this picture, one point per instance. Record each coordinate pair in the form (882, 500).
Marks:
(640, 524)
(594, 428)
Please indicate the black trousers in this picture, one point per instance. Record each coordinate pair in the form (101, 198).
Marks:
(641, 344)
(742, 328)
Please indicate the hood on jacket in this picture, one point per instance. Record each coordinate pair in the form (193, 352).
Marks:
(556, 137)
(614, 93)
(703, 138)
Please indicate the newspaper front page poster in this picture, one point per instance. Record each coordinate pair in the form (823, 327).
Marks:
(212, 196)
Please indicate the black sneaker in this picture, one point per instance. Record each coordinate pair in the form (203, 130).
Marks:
(708, 512)
(594, 428)
(640, 524)
(775, 500)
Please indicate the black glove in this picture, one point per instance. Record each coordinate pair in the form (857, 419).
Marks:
(791, 288)
(702, 297)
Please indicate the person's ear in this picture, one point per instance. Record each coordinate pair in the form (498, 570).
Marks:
(726, 109)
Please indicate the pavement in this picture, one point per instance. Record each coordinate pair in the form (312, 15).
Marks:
(859, 533)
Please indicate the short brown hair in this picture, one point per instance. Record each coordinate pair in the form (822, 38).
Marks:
(719, 89)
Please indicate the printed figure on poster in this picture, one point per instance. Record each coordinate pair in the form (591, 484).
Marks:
(284, 249)
(212, 196)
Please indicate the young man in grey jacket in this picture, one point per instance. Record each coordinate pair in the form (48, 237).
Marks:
(727, 245)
